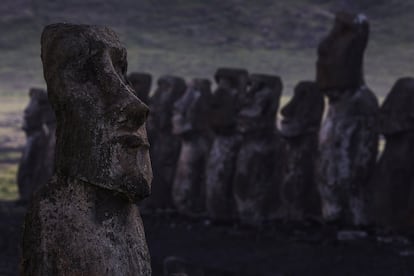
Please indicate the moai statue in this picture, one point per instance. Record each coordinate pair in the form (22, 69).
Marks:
(165, 146)
(221, 164)
(141, 83)
(300, 128)
(85, 220)
(348, 140)
(256, 181)
(37, 161)
(392, 183)
(190, 123)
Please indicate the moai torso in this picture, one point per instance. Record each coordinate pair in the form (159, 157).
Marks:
(190, 123)
(141, 83)
(85, 221)
(221, 164)
(37, 162)
(165, 146)
(257, 175)
(348, 138)
(300, 127)
(392, 183)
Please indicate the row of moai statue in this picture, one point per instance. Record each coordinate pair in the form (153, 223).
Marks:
(219, 154)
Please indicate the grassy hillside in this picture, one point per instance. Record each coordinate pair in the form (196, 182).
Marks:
(193, 38)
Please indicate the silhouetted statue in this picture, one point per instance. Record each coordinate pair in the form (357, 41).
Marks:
(37, 161)
(392, 184)
(190, 122)
(258, 169)
(85, 220)
(221, 164)
(300, 127)
(141, 83)
(348, 139)
(165, 146)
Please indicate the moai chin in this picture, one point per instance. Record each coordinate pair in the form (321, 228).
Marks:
(300, 127)
(141, 83)
(256, 180)
(165, 149)
(392, 183)
(221, 164)
(348, 140)
(85, 219)
(190, 123)
(37, 161)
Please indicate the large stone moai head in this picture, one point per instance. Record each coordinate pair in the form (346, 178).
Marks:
(340, 55)
(266, 85)
(101, 137)
(191, 111)
(141, 83)
(231, 84)
(396, 113)
(303, 114)
(38, 115)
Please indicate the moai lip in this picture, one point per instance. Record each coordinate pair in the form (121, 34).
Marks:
(85, 220)
(141, 83)
(300, 127)
(190, 123)
(166, 146)
(256, 180)
(392, 183)
(226, 102)
(340, 54)
(37, 163)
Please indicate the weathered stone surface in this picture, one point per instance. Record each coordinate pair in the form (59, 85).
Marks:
(221, 164)
(348, 141)
(300, 128)
(37, 162)
(257, 178)
(166, 146)
(392, 184)
(85, 220)
(141, 83)
(190, 122)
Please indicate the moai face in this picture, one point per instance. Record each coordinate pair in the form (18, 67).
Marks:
(38, 113)
(340, 55)
(266, 83)
(190, 111)
(303, 114)
(141, 83)
(101, 136)
(232, 79)
(396, 113)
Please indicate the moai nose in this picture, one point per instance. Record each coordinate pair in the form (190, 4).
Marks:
(133, 114)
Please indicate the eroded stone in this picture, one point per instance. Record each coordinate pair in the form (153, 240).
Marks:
(300, 127)
(85, 220)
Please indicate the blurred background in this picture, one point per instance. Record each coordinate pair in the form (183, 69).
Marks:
(191, 39)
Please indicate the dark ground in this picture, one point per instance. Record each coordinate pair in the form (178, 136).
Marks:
(279, 249)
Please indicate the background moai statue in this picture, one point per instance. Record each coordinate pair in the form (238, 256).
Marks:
(300, 128)
(141, 83)
(165, 146)
(190, 123)
(85, 220)
(392, 183)
(256, 180)
(221, 164)
(348, 140)
(37, 161)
